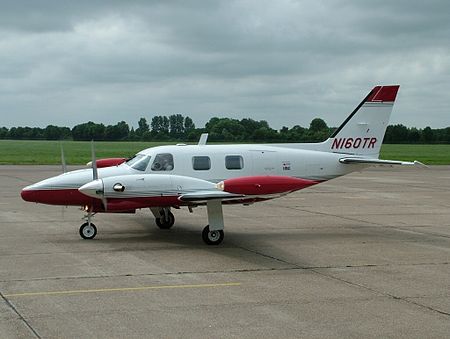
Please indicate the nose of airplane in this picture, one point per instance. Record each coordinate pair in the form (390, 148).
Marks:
(28, 195)
(93, 189)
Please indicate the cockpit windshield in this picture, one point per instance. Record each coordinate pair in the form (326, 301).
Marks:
(139, 162)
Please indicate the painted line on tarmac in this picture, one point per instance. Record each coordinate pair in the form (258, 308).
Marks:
(119, 289)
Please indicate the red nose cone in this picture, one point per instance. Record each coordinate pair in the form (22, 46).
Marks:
(272, 184)
(28, 195)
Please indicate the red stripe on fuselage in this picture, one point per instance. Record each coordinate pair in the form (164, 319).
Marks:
(141, 202)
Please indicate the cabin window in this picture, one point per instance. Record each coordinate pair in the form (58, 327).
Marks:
(201, 163)
(163, 162)
(139, 162)
(234, 162)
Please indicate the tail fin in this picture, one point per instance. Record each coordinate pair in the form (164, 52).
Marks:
(363, 131)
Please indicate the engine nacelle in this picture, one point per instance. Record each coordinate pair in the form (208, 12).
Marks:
(263, 185)
(107, 162)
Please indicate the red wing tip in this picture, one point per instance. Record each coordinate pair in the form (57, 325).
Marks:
(383, 93)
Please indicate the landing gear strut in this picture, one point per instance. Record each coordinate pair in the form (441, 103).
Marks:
(213, 233)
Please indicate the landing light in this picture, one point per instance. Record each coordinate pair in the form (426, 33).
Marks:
(118, 187)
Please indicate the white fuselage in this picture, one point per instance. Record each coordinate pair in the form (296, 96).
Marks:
(256, 160)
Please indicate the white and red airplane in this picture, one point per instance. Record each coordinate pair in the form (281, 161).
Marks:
(165, 177)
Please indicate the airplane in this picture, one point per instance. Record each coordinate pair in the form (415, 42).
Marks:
(170, 177)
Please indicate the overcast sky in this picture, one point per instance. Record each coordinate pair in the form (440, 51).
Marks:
(287, 62)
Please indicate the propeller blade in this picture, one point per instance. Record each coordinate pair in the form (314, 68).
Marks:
(94, 162)
(63, 159)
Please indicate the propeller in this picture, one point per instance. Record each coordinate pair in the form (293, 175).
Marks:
(94, 162)
(95, 177)
(63, 159)
(64, 170)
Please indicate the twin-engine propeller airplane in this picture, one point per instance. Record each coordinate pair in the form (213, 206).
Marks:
(166, 177)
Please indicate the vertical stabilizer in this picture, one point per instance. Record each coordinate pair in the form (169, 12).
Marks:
(363, 131)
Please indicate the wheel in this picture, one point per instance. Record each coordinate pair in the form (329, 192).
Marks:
(88, 231)
(212, 237)
(163, 223)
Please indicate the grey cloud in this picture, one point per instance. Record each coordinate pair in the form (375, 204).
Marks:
(287, 62)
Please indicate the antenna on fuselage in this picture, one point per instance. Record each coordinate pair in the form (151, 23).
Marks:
(203, 139)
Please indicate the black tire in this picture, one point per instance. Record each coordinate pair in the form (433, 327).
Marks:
(88, 231)
(165, 224)
(212, 237)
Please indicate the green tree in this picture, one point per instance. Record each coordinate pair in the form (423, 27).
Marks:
(413, 135)
(4, 133)
(189, 126)
(176, 125)
(318, 125)
(428, 134)
(143, 128)
(89, 131)
(120, 131)
(225, 129)
(52, 132)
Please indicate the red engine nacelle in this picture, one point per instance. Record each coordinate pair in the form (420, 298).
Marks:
(108, 162)
(262, 185)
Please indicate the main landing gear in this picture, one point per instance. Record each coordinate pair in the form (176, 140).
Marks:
(166, 219)
(212, 234)
(212, 237)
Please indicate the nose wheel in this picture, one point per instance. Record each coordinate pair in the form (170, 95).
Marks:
(88, 231)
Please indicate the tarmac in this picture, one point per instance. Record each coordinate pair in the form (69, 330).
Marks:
(363, 256)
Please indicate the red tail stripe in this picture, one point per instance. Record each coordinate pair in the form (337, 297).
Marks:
(383, 93)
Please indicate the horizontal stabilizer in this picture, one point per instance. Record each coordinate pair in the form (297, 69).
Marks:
(372, 161)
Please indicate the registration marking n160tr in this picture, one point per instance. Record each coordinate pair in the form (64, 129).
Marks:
(339, 143)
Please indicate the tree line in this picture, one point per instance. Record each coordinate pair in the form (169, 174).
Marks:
(177, 127)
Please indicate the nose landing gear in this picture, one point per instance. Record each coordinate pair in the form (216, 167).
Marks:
(88, 230)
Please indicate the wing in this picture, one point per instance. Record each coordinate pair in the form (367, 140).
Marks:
(252, 187)
(209, 195)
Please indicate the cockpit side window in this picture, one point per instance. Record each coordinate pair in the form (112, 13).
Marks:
(139, 162)
(163, 162)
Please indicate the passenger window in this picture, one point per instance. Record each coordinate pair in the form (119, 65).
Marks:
(163, 162)
(234, 162)
(201, 163)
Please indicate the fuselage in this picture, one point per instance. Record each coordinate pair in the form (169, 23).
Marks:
(213, 163)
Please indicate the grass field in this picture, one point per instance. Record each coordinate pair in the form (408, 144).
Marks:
(15, 152)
